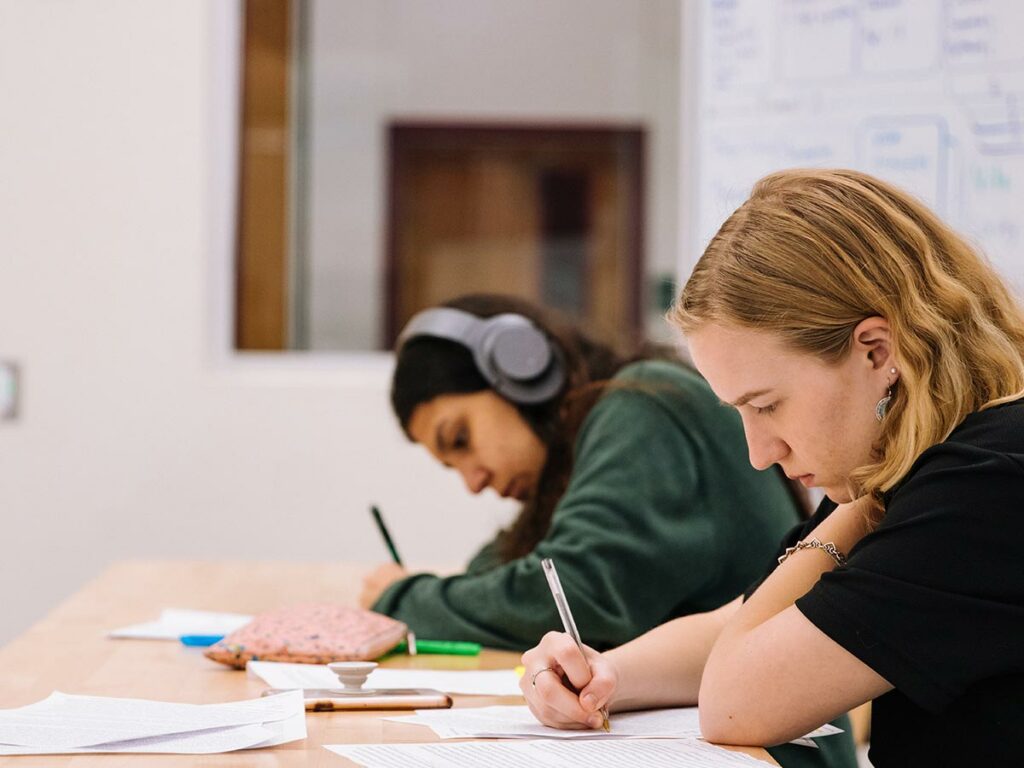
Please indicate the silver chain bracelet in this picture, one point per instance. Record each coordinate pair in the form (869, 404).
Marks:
(829, 549)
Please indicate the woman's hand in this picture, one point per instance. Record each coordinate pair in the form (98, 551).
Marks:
(378, 580)
(550, 700)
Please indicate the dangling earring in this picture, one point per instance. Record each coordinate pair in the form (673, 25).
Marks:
(882, 406)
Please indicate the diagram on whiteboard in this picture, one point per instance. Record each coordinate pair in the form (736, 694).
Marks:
(928, 94)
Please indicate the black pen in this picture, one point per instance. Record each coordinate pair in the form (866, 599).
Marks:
(384, 533)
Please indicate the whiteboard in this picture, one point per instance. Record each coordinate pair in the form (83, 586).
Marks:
(928, 94)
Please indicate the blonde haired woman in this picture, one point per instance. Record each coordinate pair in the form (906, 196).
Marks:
(872, 353)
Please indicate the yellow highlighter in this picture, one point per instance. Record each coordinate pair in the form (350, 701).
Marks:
(567, 621)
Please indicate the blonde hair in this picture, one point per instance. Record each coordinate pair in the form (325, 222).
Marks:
(812, 253)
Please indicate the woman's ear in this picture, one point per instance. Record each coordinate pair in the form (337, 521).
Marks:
(872, 342)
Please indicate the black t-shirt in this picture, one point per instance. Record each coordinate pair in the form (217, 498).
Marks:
(933, 601)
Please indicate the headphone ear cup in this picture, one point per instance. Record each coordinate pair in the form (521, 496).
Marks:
(520, 353)
(520, 361)
(515, 356)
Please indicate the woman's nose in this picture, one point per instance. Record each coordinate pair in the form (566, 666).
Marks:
(475, 478)
(763, 448)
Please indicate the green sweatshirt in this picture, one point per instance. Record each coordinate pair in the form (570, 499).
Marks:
(663, 516)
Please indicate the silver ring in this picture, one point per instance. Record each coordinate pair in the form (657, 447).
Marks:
(533, 680)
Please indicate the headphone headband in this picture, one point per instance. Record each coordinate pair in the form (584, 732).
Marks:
(515, 356)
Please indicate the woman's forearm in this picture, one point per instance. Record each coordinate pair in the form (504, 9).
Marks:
(797, 575)
(664, 666)
(747, 694)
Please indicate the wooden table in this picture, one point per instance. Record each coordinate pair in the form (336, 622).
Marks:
(68, 651)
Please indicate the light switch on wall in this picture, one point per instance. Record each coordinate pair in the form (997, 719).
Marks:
(8, 391)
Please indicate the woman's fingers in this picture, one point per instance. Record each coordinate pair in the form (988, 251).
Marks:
(559, 703)
(569, 657)
(596, 694)
(547, 693)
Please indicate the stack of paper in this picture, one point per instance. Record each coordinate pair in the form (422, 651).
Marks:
(496, 682)
(666, 753)
(519, 722)
(64, 724)
(175, 622)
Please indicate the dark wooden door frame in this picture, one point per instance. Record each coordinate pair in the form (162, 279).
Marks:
(402, 133)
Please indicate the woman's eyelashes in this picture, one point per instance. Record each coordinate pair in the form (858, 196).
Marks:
(451, 441)
(765, 409)
(460, 439)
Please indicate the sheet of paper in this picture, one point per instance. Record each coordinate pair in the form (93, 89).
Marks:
(291, 728)
(175, 622)
(64, 723)
(519, 722)
(196, 743)
(215, 740)
(663, 753)
(497, 682)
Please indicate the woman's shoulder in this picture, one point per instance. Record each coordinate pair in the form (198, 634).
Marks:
(994, 434)
(665, 377)
(980, 463)
(656, 396)
(999, 428)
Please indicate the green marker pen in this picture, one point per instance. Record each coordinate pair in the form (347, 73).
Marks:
(441, 647)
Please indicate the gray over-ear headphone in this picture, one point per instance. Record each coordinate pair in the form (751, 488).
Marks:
(511, 352)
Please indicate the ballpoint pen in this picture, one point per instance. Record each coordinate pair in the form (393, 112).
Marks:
(385, 534)
(567, 621)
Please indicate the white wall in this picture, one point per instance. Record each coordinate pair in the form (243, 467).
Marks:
(140, 435)
(584, 61)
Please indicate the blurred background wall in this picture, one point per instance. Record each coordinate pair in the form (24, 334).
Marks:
(142, 432)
